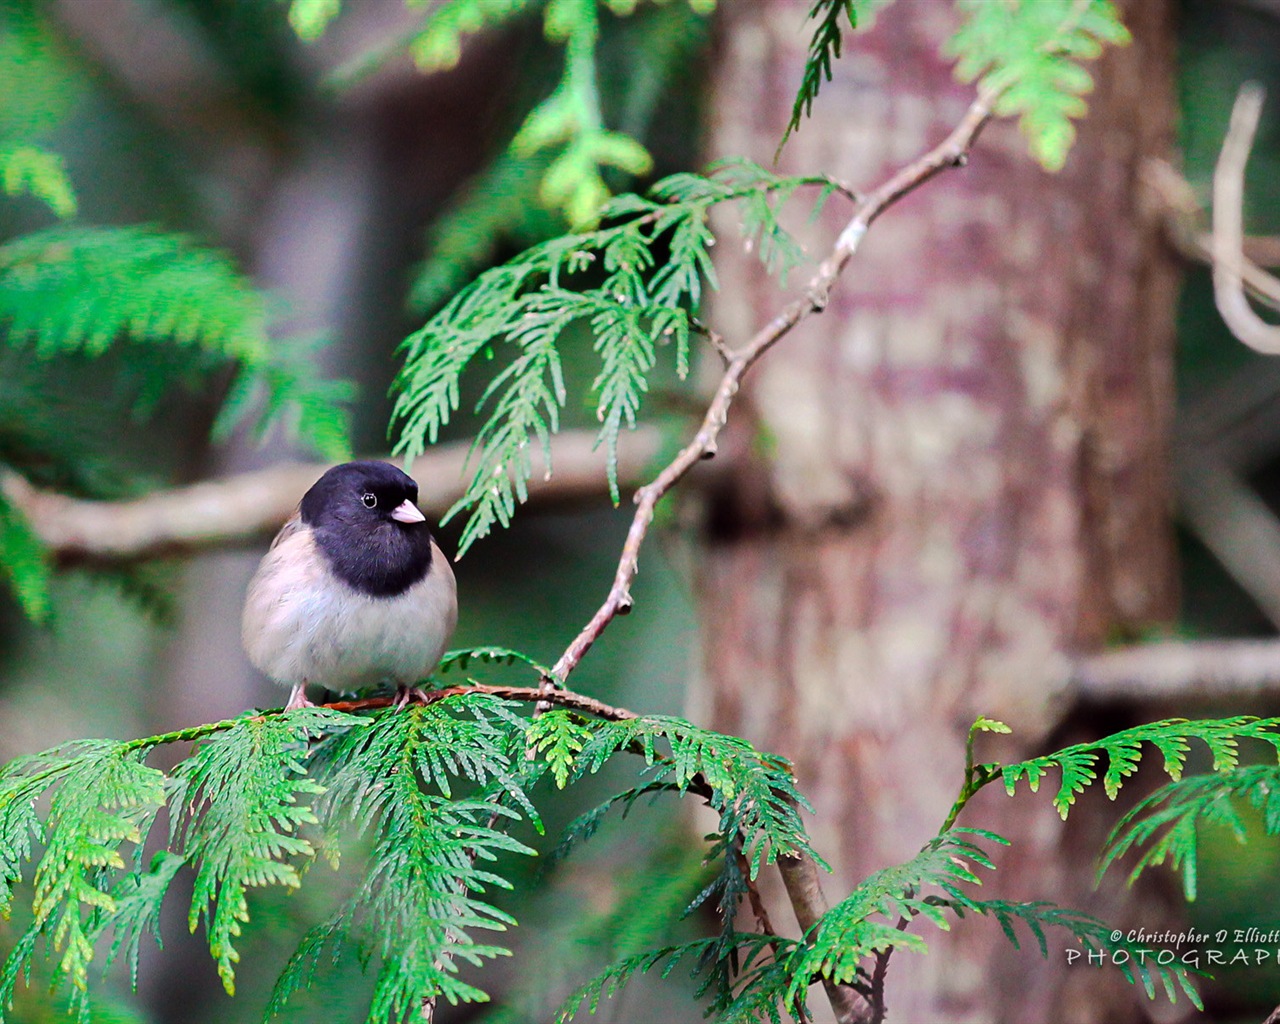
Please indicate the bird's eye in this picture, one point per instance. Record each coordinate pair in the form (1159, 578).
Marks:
(370, 500)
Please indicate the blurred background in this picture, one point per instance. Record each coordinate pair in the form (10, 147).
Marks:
(1021, 435)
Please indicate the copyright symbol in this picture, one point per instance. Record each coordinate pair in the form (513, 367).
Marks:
(1117, 935)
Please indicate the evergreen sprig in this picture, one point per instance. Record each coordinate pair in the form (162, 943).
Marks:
(1032, 53)
(635, 282)
(78, 289)
(436, 787)
(103, 798)
(501, 206)
(752, 951)
(932, 885)
(754, 794)
(1123, 751)
(25, 563)
(824, 49)
(1165, 825)
(236, 817)
(867, 921)
(81, 290)
(417, 909)
(286, 389)
(34, 170)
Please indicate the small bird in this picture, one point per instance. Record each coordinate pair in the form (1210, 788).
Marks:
(354, 592)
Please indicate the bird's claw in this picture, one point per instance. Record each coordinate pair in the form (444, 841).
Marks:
(405, 694)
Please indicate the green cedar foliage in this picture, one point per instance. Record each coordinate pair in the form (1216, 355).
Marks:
(635, 282)
(501, 205)
(562, 151)
(172, 310)
(24, 563)
(77, 291)
(436, 790)
(1123, 751)
(1165, 824)
(25, 168)
(1029, 52)
(825, 44)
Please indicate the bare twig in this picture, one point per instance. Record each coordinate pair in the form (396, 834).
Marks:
(1228, 227)
(717, 342)
(1184, 218)
(951, 152)
(225, 511)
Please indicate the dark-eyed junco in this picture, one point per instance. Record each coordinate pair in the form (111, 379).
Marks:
(353, 592)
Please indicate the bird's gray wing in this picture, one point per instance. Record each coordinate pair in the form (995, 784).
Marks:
(291, 526)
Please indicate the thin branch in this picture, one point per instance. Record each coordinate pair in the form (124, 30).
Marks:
(217, 512)
(1177, 670)
(1184, 219)
(717, 342)
(565, 698)
(804, 889)
(1233, 522)
(1228, 226)
(878, 975)
(951, 152)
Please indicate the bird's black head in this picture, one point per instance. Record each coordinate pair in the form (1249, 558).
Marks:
(367, 524)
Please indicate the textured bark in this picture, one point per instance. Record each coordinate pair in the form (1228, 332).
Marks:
(963, 475)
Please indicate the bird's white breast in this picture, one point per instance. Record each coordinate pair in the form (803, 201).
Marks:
(303, 624)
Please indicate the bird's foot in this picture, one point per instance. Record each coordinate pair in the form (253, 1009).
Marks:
(298, 698)
(405, 694)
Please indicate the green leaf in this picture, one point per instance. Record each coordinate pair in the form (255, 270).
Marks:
(103, 798)
(559, 737)
(80, 289)
(24, 562)
(309, 18)
(1165, 825)
(236, 817)
(416, 910)
(462, 657)
(286, 389)
(30, 169)
(1030, 52)
(1123, 751)
(438, 46)
(635, 283)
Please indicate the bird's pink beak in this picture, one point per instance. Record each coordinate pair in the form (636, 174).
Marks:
(407, 512)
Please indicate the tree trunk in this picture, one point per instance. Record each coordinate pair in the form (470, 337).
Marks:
(960, 476)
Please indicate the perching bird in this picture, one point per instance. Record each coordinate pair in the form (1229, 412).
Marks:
(353, 592)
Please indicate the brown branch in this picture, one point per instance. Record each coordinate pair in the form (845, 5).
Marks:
(951, 152)
(1204, 670)
(804, 889)
(565, 698)
(1228, 227)
(800, 872)
(229, 510)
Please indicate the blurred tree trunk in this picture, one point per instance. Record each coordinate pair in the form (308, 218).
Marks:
(959, 477)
